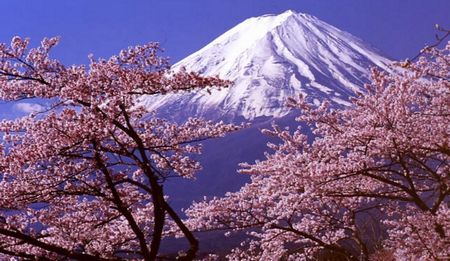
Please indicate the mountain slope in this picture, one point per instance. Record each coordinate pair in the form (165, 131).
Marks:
(270, 58)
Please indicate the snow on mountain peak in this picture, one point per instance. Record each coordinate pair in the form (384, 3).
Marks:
(270, 58)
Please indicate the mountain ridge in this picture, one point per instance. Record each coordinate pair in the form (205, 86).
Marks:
(270, 58)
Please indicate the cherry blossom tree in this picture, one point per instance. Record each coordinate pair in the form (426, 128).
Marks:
(84, 179)
(381, 164)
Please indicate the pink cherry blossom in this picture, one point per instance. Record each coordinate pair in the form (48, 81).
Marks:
(374, 182)
(84, 179)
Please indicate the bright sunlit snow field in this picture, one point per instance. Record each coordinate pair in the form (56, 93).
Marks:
(270, 58)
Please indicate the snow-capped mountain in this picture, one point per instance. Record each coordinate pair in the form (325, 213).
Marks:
(270, 58)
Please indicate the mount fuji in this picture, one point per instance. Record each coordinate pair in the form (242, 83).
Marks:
(270, 58)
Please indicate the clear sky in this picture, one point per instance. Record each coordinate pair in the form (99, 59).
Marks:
(399, 28)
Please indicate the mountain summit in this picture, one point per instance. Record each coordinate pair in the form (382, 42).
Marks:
(270, 58)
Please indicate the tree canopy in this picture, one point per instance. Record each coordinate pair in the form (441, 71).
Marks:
(373, 184)
(84, 178)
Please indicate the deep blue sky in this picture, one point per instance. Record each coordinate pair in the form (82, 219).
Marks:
(399, 28)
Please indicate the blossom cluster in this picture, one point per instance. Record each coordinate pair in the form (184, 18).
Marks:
(374, 181)
(83, 179)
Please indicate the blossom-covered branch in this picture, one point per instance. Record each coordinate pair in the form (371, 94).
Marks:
(376, 178)
(84, 179)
